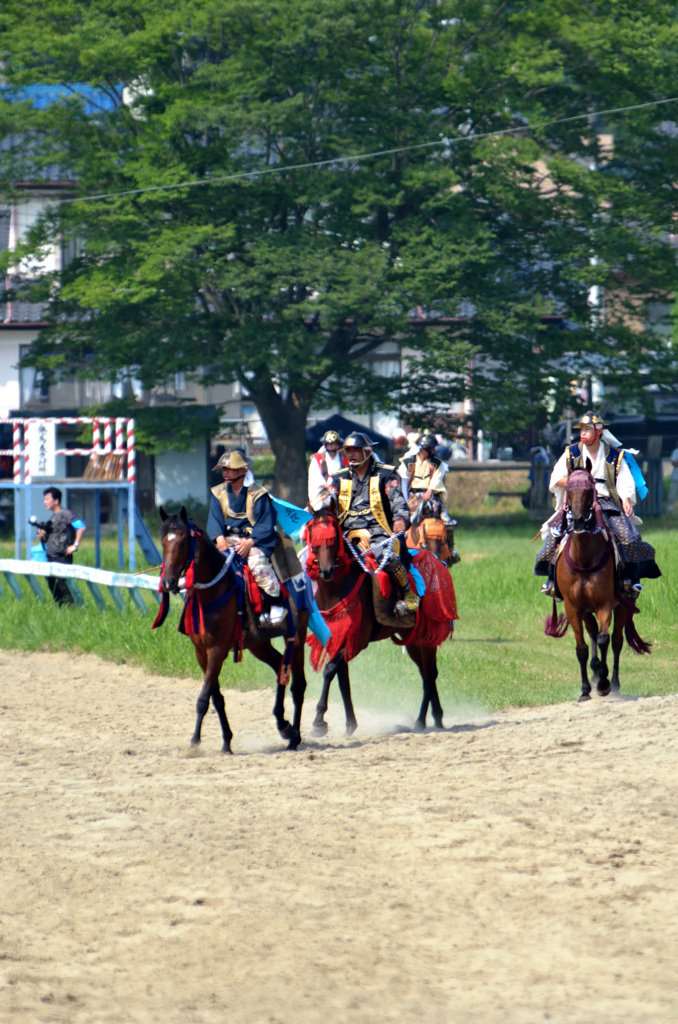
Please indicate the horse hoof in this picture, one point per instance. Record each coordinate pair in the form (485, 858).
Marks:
(226, 749)
(584, 697)
(351, 728)
(438, 725)
(285, 729)
(319, 729)
(419, 726)
(294, 742)
(604, 690)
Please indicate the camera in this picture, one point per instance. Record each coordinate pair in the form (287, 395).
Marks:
(47, 527)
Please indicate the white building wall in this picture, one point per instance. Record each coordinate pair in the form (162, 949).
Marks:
(22, 217)
(182, 476)
(10, 390)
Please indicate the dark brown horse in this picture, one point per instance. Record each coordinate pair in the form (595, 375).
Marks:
(344, 595)
(586, 578)
(212, 619)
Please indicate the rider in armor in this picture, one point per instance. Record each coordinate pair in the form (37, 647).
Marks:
(615, 477)
(324, 463)
(423, 478)
(369, 498)
(241, 515)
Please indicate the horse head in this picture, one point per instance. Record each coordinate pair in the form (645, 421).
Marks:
(433, 538)
(580, 500)
(325, 541)
(177, 537)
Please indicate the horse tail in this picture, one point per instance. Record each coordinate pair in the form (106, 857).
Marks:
(556, 625)
(634, 640)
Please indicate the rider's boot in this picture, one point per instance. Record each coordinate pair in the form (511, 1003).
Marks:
(549, 585)
(409, 602)
(631, 588)
(454, 556)
(272, 617)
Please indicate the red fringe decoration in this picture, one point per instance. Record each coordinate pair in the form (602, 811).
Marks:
(556, 625)
(253, 591)
(344, 622)
(438, 607)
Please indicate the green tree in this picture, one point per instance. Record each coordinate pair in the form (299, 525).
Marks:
(288, 280)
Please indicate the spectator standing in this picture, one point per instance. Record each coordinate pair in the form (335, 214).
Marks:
(61, 540)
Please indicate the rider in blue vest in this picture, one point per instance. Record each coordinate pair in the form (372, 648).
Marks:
(242, 515)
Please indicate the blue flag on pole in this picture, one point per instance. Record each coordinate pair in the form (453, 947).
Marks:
(290, 517)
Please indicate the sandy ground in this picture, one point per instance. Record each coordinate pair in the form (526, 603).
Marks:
(520, 867)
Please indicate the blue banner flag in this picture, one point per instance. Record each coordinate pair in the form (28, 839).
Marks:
(290, 517)
(636, 473)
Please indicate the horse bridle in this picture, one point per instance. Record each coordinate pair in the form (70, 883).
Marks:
(191, 559)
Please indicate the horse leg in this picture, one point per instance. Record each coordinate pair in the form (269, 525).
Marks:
(297, 688)
(210, 662)
(592, 630)
(620, 615)
(265, 651)
(582, 656)
(319, 727)
(345, 691)
(603, 641)
(425, 658)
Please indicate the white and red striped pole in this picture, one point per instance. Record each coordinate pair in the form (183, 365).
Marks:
(96, 437)
(16, 452)
(131, 453)
(27, 454)
(108, 436)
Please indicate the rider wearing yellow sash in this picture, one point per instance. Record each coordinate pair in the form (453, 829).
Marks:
(369, 498)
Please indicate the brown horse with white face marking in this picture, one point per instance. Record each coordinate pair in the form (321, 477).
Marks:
(213, 616)
(586, 579)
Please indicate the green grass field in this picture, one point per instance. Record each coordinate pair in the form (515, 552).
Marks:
(498, 658)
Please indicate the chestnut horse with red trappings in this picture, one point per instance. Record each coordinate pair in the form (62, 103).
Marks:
(344, 598)
(586, 578)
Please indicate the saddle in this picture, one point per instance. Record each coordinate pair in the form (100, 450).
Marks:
(383, 606)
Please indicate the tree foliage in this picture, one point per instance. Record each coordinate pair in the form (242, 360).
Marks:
(494, 204)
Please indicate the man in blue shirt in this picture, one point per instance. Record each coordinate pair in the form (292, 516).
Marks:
(242, 515)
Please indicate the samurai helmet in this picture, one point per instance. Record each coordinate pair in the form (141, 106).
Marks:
(590, 419)
(358, 440)
(330, 437)
(426, 441)
(235, 459)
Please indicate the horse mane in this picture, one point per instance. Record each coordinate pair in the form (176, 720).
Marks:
(582, 480)
(173, 522)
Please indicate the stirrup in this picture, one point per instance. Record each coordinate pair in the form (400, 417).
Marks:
(549, 590)
(631, 590)
(275, 616)
(408, 605)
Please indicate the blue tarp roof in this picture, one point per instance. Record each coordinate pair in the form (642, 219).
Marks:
(42, 96)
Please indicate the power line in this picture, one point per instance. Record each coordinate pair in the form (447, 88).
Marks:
(443, 141)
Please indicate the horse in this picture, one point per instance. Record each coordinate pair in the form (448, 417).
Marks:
(587, 581)
(212, 619)
(344, 595)
(428, 532)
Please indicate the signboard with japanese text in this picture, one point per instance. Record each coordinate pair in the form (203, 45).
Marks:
(40, 447)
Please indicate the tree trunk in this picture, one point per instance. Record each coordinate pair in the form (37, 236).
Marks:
(285, 423)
